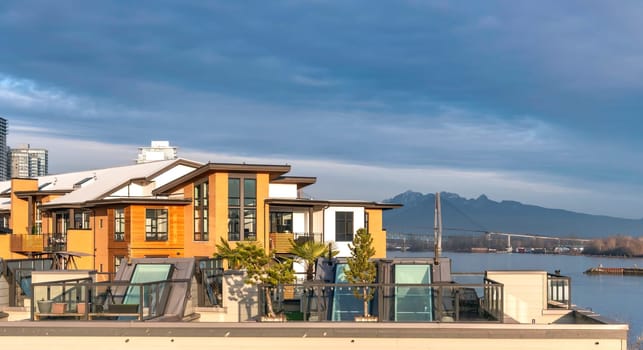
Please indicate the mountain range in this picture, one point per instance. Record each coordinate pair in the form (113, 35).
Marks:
(468, 216)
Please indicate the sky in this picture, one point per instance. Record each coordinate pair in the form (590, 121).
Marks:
(533, 101)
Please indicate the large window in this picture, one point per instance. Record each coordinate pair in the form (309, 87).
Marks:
(81, 219)
(156, 224)
(201, 211)
(242, 198)
(280, 222)
(119, 224)
(344, 226)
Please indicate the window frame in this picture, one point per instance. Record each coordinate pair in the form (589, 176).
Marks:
(238, 223)
(279, 222)
(201, 204)
(346, 221)
(154, 224)
(119, 222)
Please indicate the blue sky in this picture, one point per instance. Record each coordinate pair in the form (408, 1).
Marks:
(535, 101)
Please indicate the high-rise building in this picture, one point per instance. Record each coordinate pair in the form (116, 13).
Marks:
(158, 150)
(28, 162)
(4, 164)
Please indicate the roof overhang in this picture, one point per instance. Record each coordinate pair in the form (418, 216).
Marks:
(118, 202)
(275, 171)
(329, 203)
(26, 194)
(300, 181)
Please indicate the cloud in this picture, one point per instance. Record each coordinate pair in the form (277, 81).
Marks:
(23, 93)
(537, 97)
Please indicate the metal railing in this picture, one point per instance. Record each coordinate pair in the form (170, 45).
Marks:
(434, 302)
(280, 241)
(18, 275)
(558, 292)
(88, 300)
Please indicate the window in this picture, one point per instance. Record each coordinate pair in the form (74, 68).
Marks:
(81, 219)
(201, 211)
(344, 226)
(156, 224)
(117, 262)
(280, 222)
(366, 223)
(119, 224)
(242, 198)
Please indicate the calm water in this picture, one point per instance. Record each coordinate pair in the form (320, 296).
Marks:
(617, 297)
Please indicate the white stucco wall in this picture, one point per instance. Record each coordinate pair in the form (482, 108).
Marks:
(329, 226)
(299, 223)
(282, 191)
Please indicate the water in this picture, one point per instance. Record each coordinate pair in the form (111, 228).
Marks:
(614, 296)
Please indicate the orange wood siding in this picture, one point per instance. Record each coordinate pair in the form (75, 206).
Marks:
(101, 236)
(82, 241)
(219, 208)
(19, 219)
(263, 236)
(377, 232)
(140, 247)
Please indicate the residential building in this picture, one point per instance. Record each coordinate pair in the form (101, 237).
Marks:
(175, 208)
(158, 150)
(28, 162)
(4, 163)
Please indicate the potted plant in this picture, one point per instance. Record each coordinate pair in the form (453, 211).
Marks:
(261, 270)
(361, 270)
(44, 306)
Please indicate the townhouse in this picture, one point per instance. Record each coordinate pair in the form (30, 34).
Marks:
(173, 208)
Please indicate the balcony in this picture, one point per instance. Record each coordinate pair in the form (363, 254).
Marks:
(400, 302)
(280, 242)
(558, 292)
(84, 299)
(21, 243)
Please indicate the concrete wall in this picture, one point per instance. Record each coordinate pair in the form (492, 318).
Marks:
(525, 296)
(240, 299)
(68, 335)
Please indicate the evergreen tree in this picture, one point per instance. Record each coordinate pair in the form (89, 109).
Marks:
(361, 270)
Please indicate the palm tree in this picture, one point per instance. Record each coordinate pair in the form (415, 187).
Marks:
(309, 251)
(226, 252)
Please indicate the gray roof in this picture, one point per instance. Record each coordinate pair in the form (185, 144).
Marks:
(98, 183)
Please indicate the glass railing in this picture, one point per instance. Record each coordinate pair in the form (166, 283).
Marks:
(434, 302)
(88, 300)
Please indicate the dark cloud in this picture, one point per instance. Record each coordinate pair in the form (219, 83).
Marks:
(548, 87)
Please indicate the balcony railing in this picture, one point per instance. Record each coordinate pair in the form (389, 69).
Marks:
(21, 243)
(558, 292)
(435, 302)
(88, 300)
(280, 242)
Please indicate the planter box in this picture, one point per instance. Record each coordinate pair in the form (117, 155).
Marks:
(279, 318)
(58, 308)
(366, 318)
(82, 307)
